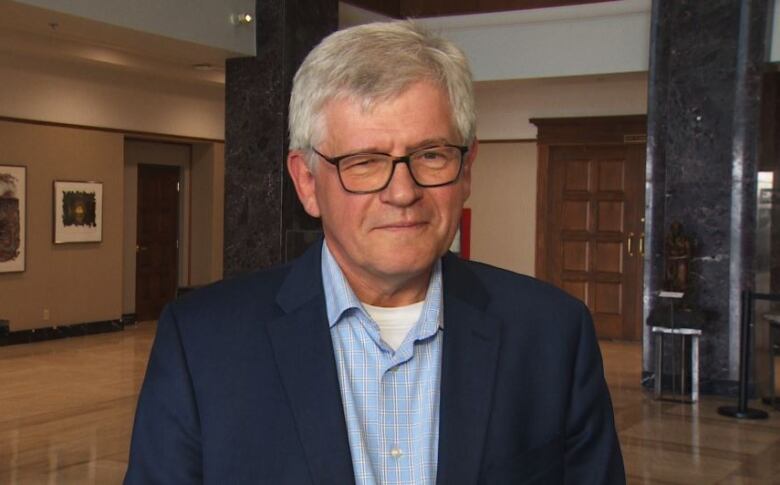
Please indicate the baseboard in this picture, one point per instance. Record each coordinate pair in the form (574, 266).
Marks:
(129, 318)
(59, 332)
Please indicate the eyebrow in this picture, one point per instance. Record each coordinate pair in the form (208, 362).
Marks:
(422, 144)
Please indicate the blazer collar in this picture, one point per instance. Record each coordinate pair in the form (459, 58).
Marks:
(306, 361)
(471, 345)
(304, 354)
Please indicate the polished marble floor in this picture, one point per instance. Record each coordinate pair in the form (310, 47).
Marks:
(66, 410)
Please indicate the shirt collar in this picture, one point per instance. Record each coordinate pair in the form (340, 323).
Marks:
(339, 297)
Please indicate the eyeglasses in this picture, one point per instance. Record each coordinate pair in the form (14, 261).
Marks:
(365, 173)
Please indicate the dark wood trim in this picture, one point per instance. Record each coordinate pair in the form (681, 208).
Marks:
(507, 140)
(589, 130)
(433, 8)
(542, 171)
(391, 8)
(59, 332)
(138, 135)
(189, 219)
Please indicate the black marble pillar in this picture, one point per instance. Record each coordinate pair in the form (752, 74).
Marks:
(264, 222)
(704, 111)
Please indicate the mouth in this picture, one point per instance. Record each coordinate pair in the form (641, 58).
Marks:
(402, 226)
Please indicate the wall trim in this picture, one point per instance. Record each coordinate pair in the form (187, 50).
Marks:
(60, 332)
(507, 140)
(144, 135)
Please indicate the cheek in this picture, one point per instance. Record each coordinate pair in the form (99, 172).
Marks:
(341, 211)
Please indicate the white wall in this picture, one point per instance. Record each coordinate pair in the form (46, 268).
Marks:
(90, 95)
(608, 37)
(205, 22)
(504, 107)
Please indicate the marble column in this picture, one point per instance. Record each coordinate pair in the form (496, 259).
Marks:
(264, 222)
(704, 108)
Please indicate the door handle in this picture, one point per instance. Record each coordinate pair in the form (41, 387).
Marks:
(138, 248)
(642, 244)
(630, 243)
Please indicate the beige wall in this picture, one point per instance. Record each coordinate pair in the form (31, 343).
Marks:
(208, 202)
(503, 206)
(76, 283)
(89, 282)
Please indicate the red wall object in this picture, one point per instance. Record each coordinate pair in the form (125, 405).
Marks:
(465, 234)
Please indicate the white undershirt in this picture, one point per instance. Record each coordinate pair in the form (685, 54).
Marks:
(395, 322)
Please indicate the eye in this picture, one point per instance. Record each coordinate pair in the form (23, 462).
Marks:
(433, 154)
(362, 163)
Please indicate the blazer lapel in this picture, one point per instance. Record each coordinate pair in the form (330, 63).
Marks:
(305, 358)
(471, 342)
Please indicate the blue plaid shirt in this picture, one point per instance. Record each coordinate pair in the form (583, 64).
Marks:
(391, 398)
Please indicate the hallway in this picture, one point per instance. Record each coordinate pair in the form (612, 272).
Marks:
(66, 410)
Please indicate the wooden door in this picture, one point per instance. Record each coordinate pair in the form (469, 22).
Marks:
(595, 224)
(156, 264)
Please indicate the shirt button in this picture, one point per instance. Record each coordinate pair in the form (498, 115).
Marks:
(396, 452)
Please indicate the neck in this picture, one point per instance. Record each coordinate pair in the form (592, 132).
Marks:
(387, 290)
(391, 294)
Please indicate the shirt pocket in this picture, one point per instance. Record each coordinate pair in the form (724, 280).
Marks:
(543, 464)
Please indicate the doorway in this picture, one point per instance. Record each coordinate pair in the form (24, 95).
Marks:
(157, 239)
(590, 216)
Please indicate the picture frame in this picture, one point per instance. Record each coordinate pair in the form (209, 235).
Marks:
(78, 212)
(13, 218)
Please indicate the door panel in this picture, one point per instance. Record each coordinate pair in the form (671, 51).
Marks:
(596, 203)
(157, 240)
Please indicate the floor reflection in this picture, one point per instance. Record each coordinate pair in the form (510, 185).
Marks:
(66, 411)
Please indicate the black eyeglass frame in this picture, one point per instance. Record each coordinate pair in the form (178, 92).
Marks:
(407, 159)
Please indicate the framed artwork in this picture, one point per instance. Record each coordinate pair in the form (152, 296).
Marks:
(78, 212)
(13, 218)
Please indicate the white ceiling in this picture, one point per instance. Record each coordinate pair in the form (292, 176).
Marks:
(32, 32)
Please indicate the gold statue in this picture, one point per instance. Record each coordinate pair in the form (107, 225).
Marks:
(677, 255)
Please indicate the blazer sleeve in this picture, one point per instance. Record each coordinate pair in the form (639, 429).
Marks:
(592, 449)
(166, 445)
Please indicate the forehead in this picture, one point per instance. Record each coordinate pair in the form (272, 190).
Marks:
(421, 111)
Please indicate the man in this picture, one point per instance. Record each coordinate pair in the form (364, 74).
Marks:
(377, 357)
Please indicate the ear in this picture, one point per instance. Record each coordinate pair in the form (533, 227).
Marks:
(471, 155)
(304, 181)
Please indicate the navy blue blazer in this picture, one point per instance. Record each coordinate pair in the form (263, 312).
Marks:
(242, 386)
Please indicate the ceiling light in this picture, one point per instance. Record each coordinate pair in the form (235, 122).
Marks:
(244, 18)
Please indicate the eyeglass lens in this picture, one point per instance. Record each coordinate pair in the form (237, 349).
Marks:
(429, 167)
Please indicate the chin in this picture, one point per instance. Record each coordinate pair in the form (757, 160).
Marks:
(408, 262)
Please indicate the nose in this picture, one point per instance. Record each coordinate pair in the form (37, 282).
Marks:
(402, 189)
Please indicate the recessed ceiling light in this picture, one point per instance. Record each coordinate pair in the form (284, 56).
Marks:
(203, 67)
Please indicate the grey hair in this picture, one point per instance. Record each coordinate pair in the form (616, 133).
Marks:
(377, 62)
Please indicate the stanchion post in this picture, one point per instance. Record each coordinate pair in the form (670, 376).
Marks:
(741, 410)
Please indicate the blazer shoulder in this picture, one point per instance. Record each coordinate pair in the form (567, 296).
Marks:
(519, 299)
(243, 294)
(503, 283)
